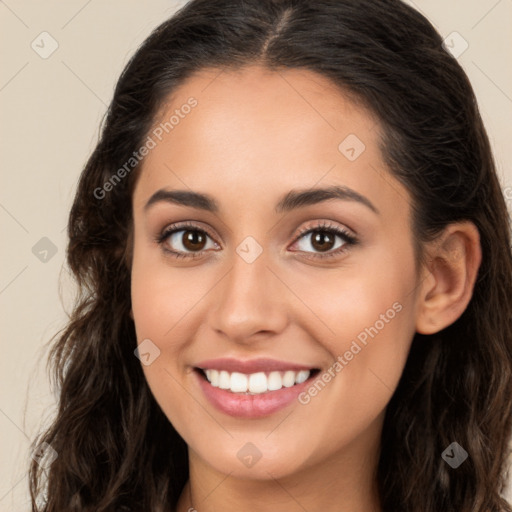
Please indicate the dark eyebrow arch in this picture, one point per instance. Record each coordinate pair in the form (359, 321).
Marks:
(184, 198)
(292, 200)
(297, 198)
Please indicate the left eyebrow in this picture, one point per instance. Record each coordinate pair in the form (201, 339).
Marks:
(297, 198)
(290, 201)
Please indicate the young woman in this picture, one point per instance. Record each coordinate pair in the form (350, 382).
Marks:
(294, 264)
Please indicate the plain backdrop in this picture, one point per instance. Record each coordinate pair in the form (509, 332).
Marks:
(51, 108)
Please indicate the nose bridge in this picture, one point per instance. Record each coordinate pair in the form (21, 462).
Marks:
(248, 299)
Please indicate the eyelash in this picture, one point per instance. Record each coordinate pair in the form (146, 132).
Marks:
(325, 227)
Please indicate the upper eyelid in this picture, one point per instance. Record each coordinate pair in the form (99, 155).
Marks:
(323, 224)
(183, 226)
(327, 226)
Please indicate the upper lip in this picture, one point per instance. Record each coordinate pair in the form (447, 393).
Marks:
(251, 366)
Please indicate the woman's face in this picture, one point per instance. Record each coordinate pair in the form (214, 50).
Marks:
(253, 285)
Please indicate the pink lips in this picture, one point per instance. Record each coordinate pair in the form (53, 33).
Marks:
(243, 405)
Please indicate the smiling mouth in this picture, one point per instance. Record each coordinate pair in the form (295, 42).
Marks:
(255, 383)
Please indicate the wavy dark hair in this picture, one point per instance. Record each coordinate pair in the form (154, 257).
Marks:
(116, 449)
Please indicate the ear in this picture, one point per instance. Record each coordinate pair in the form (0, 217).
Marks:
(448, 277)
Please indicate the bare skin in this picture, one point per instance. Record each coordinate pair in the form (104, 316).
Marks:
(254, 136)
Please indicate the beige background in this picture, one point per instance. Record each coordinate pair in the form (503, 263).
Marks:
(51, 109)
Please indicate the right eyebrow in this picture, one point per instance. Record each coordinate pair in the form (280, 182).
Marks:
(184, 198)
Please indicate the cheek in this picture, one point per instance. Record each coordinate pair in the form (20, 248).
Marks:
(159, 311)
(165, 303)
(358, 303)
(369, 328)
(365, 319)
(161, 295)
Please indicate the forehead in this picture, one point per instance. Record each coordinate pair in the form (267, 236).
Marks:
(254, 131)
(285, 108)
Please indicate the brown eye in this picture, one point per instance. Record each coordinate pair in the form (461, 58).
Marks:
(185, 241)
(321, 241)
(193, 240)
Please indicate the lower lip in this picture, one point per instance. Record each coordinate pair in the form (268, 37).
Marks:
(250, 406)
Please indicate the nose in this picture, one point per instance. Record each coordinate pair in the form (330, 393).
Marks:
(249, 302)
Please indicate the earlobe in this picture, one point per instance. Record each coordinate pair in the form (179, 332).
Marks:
(446, 290)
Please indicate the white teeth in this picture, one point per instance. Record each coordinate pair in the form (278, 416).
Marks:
(255, 383)
(224, 380)
(275, 381)
(213, 377)
(302, 376)
(289, 379)
(238, 382)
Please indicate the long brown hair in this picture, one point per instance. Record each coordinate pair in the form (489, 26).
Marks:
(116, 449)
